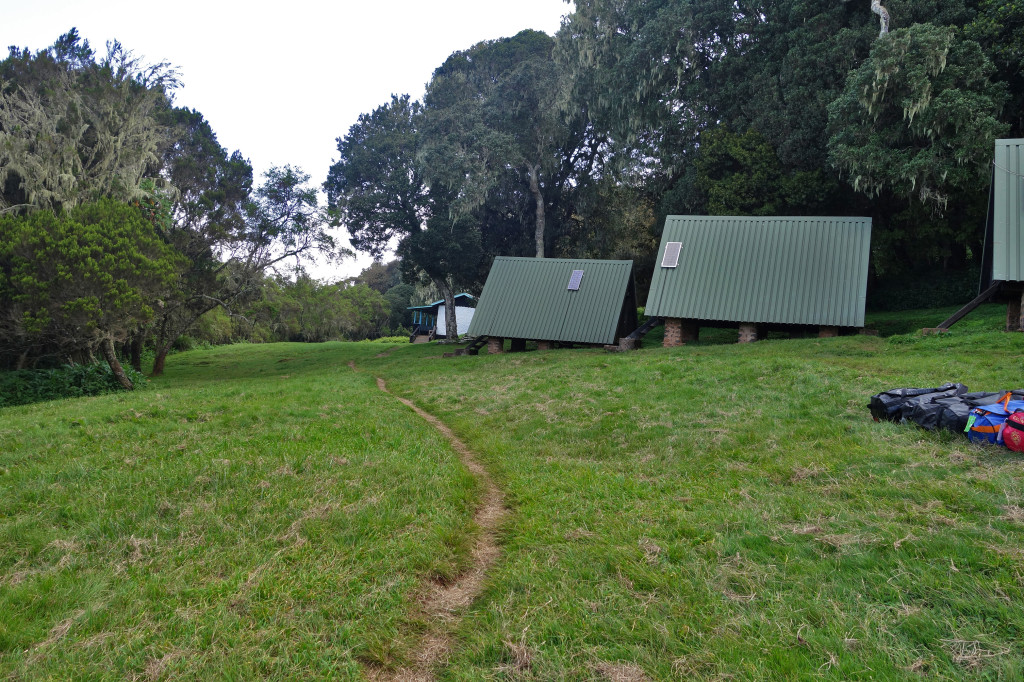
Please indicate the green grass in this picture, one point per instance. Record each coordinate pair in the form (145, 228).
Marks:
(701, 512)
(262, 511)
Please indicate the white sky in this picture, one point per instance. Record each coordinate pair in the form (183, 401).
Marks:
(279, 81)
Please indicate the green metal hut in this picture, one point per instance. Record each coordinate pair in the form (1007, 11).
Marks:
(1002, 264)
(1003, 258)
(555, 300)
(760, 273)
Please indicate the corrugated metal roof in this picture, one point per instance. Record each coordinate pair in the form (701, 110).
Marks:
(1008, 211)
(529, 298)
(459, 299)
(782, 270)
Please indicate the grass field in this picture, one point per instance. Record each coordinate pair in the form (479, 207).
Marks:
(712, 511)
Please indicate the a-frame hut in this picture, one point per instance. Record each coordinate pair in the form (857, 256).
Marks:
(1002, 275)
(1002, 261)
(796, 274)
(555, 300)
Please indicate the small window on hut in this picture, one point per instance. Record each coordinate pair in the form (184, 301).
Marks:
(574, 281)
(671, 258)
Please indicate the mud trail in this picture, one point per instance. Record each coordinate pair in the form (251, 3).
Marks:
(441, 605)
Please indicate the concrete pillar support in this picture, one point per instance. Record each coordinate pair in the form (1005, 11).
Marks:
(673, 332)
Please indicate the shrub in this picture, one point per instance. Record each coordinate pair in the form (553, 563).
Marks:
(924, 290)
(21, 387)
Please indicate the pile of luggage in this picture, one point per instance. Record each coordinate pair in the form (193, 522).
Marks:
(994, 418)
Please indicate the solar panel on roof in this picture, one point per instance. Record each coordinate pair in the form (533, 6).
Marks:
(671, 258)
(574, 281)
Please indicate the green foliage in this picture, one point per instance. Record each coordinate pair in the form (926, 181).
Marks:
(376, 188)
(923, 289)
(74, 129)
(742, 175)
(380, 276)
(69, 281)
(399, 298)
(999, 28)
(309, 310)
(918, 116)
(22, 387)
(492, 118)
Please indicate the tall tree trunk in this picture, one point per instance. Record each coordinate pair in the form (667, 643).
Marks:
(158, 362)
(539, 199)
(451, 325)
(167, 333)
(107, 348)
(136, 343)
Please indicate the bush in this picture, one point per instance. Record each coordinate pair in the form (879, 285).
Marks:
(387, 339)
(21, 387)
(924, 290)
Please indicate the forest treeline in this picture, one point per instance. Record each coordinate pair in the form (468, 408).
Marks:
(125, 224)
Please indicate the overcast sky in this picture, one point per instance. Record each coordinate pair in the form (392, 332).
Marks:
(280, 81)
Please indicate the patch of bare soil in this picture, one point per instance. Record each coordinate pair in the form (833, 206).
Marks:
(441, 604)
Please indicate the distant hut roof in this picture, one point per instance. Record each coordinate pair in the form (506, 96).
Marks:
(463, 300)
(1004, 235)
(775, 270)
(547, 299)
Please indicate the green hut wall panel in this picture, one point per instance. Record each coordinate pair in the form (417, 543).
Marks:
(529, 298)
(1007, 211)
(771, 270)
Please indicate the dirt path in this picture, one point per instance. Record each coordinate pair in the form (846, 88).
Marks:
(442, 604)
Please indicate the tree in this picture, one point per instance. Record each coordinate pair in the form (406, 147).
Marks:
(918, 116)
(282, 220)
(742, 175)
(207, 220)
(380, 276)
(999, 28)
(377, 191)
(73, 129)
(913, 130)
(79, 281)
(492, 113)
(399, 297)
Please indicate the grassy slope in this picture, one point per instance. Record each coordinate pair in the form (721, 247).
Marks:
(696, 512)
(727, 510)
(263, 511)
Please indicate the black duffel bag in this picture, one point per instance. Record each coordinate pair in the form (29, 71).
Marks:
(893, 405)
